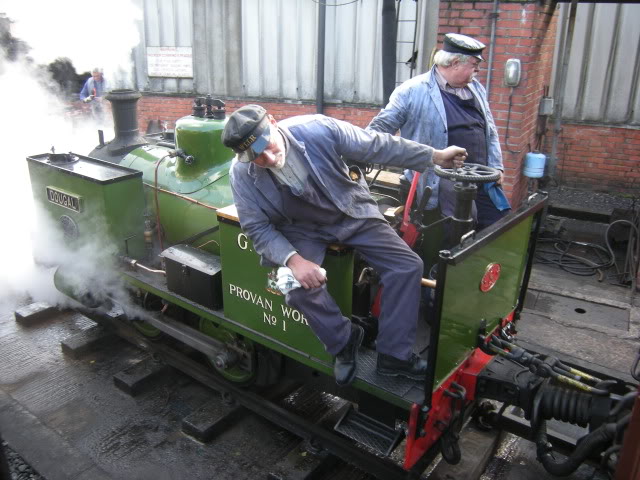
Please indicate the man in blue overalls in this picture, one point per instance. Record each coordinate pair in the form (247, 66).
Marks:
(294, 197)
(448, 106)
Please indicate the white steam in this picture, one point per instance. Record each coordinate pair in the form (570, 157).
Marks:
(34, 120)
(90, 34)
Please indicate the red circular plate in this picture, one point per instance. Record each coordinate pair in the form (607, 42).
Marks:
(490, 277)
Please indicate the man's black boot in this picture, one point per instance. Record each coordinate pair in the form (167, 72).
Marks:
(414, 368)
(344, 367)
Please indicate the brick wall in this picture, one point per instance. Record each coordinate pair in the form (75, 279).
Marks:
(599, 158)
(169, 109)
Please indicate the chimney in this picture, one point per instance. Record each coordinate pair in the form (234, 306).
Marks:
(125, 121)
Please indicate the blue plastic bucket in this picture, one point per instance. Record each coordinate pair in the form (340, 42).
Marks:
(534, 164)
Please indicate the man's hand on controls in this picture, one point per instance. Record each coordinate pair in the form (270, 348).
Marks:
(450, 157)
(88, 99)
(307, 273)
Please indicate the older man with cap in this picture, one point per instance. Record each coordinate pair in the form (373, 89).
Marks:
(448, 106)
(295, 196)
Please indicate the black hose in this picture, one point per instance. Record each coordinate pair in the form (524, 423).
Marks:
(588, 445)
(572, 263)
(624, 403)
(630, 268)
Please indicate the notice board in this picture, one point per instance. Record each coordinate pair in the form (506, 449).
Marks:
(171, 62)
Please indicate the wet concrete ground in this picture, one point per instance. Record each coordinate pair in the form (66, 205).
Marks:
(68, 421)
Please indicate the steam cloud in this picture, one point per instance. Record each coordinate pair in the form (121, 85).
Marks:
(34, 120)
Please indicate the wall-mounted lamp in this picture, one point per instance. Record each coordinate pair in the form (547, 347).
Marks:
(512, 70)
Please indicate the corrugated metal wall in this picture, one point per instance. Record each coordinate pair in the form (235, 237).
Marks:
(268, 48)
(604, 66)
(167, 23)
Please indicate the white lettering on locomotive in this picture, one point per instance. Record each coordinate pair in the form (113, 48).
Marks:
(267, 306)
(293, 314)
(270, 319)
(251, 297)
(63, 199)
(243, 242)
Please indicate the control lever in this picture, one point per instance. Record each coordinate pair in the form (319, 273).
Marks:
(418, 214)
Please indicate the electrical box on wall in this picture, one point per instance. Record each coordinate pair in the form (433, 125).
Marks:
(546, 106)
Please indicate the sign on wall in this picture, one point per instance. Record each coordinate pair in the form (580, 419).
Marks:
(172, 62)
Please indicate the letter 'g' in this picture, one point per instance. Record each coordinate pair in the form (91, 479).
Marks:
(242, 241)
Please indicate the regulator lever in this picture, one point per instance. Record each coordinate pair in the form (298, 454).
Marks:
(417, 216)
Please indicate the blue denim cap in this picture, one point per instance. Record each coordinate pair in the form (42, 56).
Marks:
(247, 132)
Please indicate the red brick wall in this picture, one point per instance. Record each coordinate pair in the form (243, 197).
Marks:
(599, 158)
(169, 109)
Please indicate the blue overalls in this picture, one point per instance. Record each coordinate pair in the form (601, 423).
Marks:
(319, 223)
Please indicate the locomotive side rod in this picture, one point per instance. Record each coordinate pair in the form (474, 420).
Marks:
(334, 444)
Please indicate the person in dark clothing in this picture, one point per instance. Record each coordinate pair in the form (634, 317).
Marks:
(448, 106)
(294, 197)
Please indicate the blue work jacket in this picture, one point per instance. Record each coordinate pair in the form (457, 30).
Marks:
(322, 142)
(416, 109)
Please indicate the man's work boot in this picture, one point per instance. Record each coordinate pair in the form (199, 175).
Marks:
(414, 368)
(344, 367)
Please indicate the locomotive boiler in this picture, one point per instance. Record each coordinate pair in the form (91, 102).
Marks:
(158, 214)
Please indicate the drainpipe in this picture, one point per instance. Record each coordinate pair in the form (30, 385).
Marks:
(389, 36)
(565, 53)
(322, 14)
(492, 43)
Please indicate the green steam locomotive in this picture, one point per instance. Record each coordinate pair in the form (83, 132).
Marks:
(156, 216)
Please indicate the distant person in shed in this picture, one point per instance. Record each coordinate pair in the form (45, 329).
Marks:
(295, 196)
(93, 92)
(448, 106)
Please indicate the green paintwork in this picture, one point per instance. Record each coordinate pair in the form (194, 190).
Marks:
(111, 203)
(202, 139)
(465, 306)
(255, 301)
(206, 180)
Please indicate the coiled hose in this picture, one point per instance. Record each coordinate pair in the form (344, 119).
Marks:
(561, 254)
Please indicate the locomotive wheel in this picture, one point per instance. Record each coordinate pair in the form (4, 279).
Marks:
(239, 373)
(149, 331)
(152, 303)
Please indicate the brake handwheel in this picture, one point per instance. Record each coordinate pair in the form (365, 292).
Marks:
(469, 172)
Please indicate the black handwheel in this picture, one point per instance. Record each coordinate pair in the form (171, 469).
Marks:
(469, 172)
